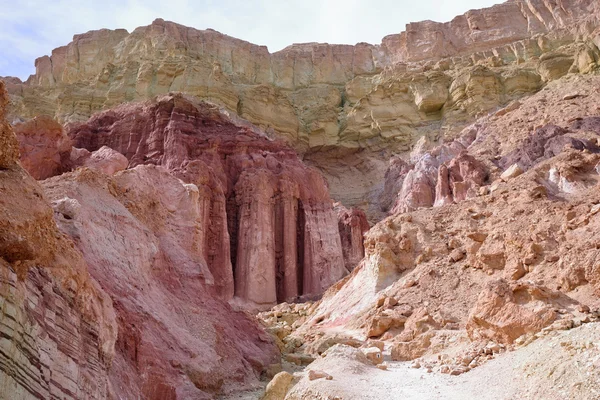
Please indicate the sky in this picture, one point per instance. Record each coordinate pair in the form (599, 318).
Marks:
(32, 28)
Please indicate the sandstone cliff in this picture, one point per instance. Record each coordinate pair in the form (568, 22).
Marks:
(345, 107)
(116, 300)
(479, 136)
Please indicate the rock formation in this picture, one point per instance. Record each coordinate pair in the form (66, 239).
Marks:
(343, 106)
(267, 230)
(489, 263)
(59, 327)
(114, 302)
(138, 232)
(472, 146)
(44, 147)
(352, 225)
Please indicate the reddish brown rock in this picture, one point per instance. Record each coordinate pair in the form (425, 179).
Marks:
(546, 142)
(44, 146)
(393, 180)
(506, 310)
(139, 232)
(58, 327)
(266, 216)
(445, 175)
(352, 225)
(105, 160)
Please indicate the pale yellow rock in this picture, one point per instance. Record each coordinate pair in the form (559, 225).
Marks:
(278, 387)
(349, 103)
(511, 172)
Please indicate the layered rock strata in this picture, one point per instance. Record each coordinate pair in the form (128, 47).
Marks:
(139, 234)
(58, 326)
(355, 104)
(107, 296)
(266, 228)
(452, 281)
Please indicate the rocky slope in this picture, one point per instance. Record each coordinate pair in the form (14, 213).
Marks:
(169, 216)
(451, 280)
(345, 107)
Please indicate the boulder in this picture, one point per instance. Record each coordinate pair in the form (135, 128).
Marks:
(278, 386)
(507, 310)
(44, 146)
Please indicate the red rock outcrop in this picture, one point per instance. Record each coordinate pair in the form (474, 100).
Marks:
(353, 225)
(44, 146)
(268, 229)
(58, 327)
(139, 232)
(135, 238)
(549, 141)
(441, 176)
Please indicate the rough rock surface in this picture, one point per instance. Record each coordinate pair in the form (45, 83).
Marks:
(44, 146)
(492, 122)
(267, 228)
(505, 311)
(352, 225)
(452, 287)
(105, 160)
(139, 234)
(58, 327)
(345, 107)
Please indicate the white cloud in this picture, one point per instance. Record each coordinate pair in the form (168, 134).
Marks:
(32, 28)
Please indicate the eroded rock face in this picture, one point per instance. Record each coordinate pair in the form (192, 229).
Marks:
(330, 102)
(140, 233)
(505, 311)
(549, 141)
(105, 160)
(352, 225)
(43, 145)
(59, 327)
(513, 260)
(268, 231)
(444, 175)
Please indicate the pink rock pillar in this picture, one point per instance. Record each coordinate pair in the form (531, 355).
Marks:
(286, 218)
(352, 225)
(323, 256)
(255, 266)
(214, 239)
(443, 194)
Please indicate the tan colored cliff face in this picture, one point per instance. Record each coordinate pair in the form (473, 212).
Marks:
(336, 100)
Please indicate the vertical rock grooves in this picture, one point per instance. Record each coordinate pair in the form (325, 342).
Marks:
(300, 227)
(268, 231)
(232, 228)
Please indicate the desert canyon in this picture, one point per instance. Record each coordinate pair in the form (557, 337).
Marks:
(184, 215)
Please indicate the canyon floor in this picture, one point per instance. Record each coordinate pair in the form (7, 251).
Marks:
(546, 369)
(549, 369)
